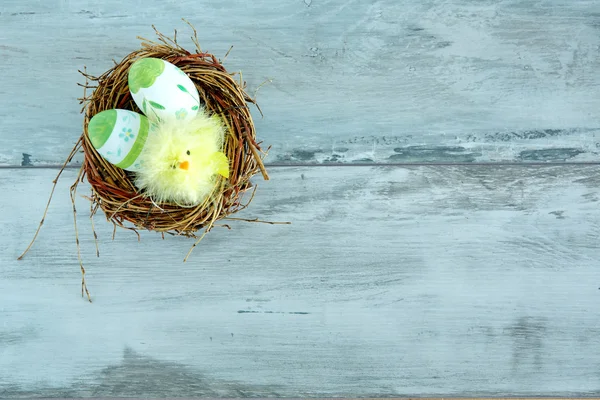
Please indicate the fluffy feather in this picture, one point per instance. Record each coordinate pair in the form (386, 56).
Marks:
(181, 160)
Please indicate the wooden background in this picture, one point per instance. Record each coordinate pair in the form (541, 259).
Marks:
(437, 160)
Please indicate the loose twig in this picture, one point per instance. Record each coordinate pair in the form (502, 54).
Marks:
(55, 182)
(73, 192)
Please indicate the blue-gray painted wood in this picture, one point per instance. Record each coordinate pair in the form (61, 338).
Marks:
(390, 281)
(353, 81)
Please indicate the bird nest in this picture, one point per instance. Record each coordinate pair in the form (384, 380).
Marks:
(113, 190)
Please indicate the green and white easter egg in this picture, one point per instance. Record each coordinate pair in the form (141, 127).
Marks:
(162, 91)
(119, 136)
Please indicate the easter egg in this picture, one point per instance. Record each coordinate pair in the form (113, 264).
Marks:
(162, 91)
(119, 136)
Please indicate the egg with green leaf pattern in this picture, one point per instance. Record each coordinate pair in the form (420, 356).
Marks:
(119, 136)
(163, 91)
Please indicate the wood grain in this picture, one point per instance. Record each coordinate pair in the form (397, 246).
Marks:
(352, 81)
(438, 281)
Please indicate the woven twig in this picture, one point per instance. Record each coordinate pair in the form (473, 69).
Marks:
(113, 189)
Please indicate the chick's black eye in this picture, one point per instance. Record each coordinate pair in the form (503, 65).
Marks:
(188, 152)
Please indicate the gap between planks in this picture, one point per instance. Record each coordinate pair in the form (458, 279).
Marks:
(370, 165)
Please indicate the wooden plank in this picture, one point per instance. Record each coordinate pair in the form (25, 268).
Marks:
(353, 81)
(438, 281)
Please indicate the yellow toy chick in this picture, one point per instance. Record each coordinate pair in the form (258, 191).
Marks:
(182, 161)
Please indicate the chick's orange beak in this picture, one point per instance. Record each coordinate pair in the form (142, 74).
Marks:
(184, 165)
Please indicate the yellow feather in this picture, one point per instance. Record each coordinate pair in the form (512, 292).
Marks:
(221, 164)
(173, 145)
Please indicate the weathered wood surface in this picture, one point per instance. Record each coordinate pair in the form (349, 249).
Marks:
(390, 281)
(398, 81)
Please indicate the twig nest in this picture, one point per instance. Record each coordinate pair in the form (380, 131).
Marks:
(114, 189)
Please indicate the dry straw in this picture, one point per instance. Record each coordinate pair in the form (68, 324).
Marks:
(113, 190)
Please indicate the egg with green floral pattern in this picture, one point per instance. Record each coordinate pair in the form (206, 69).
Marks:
(163, 91)
(119, 137)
